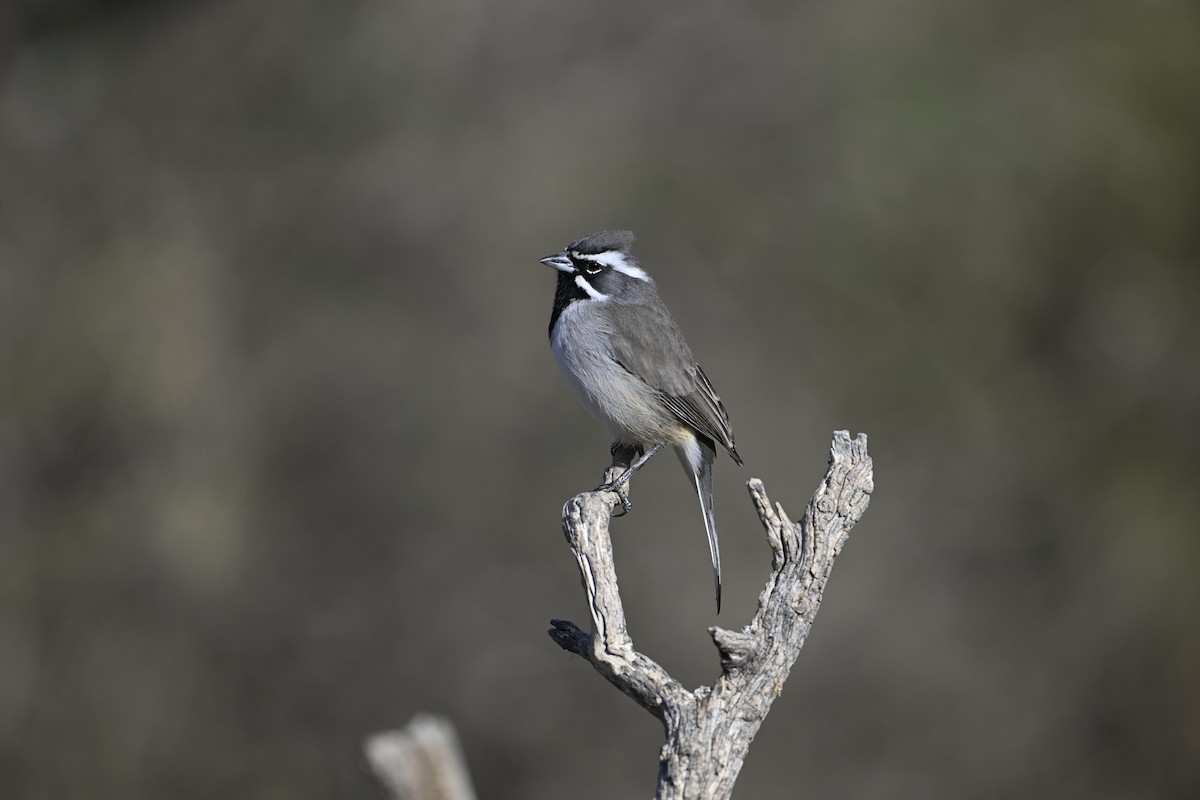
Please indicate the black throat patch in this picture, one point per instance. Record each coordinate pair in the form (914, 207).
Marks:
(566, 291)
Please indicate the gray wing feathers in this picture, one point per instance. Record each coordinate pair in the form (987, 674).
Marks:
(704, 411)
(648, 343)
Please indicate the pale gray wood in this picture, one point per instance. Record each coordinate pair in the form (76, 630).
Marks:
(422, 761)
(709, 731)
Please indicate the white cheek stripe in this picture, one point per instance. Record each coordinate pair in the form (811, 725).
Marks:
(615, 260)
(587, 287)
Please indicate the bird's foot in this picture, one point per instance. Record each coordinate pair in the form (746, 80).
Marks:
(622, 495)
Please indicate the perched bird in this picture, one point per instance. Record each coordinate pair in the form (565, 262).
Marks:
(627, 361)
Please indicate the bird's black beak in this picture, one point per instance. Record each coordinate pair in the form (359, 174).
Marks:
(560, 261)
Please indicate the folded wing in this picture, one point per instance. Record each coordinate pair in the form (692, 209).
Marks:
(648, 343)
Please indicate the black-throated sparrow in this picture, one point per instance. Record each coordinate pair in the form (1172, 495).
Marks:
(627, 360)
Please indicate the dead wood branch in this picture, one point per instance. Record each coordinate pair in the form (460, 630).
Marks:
(422, 761)
(709, 731)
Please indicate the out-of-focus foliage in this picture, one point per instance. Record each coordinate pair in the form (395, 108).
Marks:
(282, 448)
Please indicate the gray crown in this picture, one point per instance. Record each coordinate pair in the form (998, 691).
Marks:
(603, 242)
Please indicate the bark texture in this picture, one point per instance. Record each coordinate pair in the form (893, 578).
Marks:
(709, 731)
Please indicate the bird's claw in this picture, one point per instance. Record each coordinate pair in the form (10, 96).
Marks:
(622, 495)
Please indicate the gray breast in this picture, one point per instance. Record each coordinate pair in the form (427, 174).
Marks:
(627, 405)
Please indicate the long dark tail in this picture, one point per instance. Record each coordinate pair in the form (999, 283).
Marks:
(698, 462)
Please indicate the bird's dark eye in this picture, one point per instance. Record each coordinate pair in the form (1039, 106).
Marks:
(586, 264)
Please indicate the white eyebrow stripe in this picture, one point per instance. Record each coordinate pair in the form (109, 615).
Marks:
(582, 283)
(616, 260)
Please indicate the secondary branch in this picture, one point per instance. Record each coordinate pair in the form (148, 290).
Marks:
(709, 731)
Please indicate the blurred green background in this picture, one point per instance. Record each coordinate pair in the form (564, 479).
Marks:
(283, 448)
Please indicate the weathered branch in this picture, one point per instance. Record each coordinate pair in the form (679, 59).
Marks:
(709, 731)
(422, 761)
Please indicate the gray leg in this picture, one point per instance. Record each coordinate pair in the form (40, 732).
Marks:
(623, 454)
(624, 477)
(618, 484)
